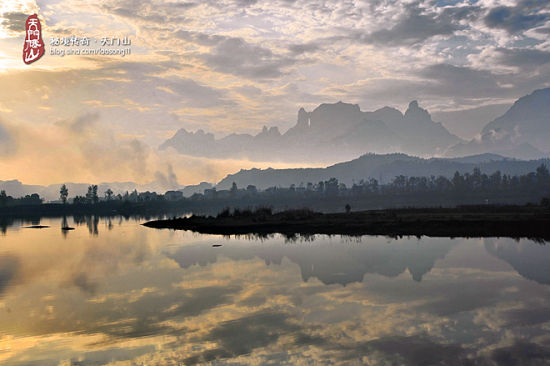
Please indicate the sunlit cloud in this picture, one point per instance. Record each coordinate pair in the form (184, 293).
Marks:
(236, 66)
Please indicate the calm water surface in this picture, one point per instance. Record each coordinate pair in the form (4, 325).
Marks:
(114, 292)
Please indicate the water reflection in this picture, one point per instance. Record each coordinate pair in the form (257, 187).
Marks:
(114, 291)
(530, 260)
(330, 262)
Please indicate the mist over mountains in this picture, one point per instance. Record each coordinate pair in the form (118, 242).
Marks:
(383, 167)
(15, 188)
(341, 131)
(522, 132)
(385, 140)
(331, 132)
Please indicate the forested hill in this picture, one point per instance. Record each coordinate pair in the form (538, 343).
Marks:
(383, 167)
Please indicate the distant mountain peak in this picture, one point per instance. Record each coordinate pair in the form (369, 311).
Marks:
(330, 132)
(337, 106)
(416, 112)
(527, 122)
(269, 132)
(303, 119)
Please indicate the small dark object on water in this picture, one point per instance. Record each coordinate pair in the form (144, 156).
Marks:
(216, 245)
(67, 228)
(36, 227)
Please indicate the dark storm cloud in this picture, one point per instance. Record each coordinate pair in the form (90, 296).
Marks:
(14, 21)
(110, 355)
(465, 84)
(434, 81)
(146, 86)
(522, 57)
(197, 95)
(259, 330)
(234, 55)
(461, 80)
(543, 30)
(416, 25)
(527, 316)
(82, 281)
(185, 5)
(419, 350)
(525, 15)
(255, 331)
(83, 122)
(147, 320)
(148, 12)
(413, 350)
(521, 353)
(301, 48)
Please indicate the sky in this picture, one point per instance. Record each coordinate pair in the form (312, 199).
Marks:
(237, 65)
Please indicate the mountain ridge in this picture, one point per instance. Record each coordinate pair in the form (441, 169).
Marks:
(382, 167)
(523, 131)
(339, 131)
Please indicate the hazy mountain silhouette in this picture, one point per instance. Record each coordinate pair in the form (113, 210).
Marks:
(529, 259)
(341, 131)
(51, 192)
(343, 263)
(381, 167)
(196, 188)
(522, 132)
(331, 132)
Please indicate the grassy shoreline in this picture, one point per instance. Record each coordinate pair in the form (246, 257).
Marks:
(467, 221)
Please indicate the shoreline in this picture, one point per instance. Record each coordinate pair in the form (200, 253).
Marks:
(466, 221)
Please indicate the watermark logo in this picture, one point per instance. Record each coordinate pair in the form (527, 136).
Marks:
(33, 48)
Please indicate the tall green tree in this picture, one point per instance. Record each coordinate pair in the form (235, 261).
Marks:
(63, 193)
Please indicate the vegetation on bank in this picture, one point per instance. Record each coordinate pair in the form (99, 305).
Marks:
(532, 221)
(325, 196)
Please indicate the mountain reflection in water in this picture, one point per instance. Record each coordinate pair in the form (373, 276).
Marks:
(112, 291)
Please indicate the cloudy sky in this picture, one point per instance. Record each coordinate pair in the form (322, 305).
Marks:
(236, 65)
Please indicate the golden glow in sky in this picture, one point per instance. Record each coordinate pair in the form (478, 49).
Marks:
(233, 67)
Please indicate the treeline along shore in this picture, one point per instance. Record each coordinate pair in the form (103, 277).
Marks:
(325, 196)
(529, 221)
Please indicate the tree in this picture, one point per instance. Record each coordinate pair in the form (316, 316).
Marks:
(108, 194)
(63, 193)
(331, 187)
(542, 172)
(3, 198)
(95, 197)
(458, 181)
(91, 196)
(233, 189)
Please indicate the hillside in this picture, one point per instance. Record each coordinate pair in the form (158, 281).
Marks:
(381, 167)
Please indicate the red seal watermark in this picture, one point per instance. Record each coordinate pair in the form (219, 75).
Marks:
(33, 48)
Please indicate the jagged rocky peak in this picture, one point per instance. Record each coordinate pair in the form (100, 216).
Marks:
(272, 131)
(303, 118)
(416, 112)
(532, 109)
(336, 114)
(535, 104)
(183, 133)
(389, 110)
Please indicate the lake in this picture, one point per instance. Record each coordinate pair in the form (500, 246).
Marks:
(114, 292)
